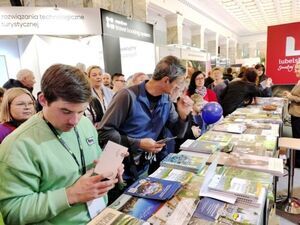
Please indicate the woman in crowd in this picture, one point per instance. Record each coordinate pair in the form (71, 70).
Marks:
(294, 109)
(219, 84)
(17, 106)
(240, 93)
(262, 79)
(2, 90)
(101, 95)
(197, 86)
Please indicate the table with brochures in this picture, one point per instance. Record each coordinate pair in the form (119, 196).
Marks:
(226, 176)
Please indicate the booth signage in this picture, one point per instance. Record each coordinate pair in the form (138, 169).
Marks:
(283, 51)
(120, 26)
(49, 21)
(193, 55)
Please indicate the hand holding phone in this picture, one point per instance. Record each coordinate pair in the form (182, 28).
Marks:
(165, 140)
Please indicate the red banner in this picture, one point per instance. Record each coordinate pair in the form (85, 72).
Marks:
(283, 51)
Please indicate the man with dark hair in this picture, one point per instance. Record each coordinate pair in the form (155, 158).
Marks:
(45, 165)
(228, 74)
(25, 79)
(137, 116)
(118, 82)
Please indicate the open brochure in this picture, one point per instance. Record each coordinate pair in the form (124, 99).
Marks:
(113, 217)
(265, 164)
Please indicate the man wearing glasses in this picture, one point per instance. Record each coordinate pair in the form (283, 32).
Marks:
(118, 81)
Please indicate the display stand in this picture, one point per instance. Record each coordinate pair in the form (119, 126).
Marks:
(292, 204)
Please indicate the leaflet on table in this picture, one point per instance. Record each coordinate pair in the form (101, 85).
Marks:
(237, 186)
(237, 128)
(184, 162)
(200, 146)
(265, 164)
(111, 216)
(154, 188)
(175, 211)
(140, 208)
(172, 174)
(205, 191)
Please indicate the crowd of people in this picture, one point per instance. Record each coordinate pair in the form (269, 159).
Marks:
(49, 144)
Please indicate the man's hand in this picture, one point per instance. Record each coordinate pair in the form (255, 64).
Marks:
(184, 106)
(149, 145)
(89, 187)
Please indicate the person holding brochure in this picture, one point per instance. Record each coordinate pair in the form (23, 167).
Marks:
(46, 164)
(294, 109)
(137, 116)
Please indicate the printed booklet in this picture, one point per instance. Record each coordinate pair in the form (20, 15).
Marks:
(154, 188)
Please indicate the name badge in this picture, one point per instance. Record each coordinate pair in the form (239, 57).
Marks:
(90, 141)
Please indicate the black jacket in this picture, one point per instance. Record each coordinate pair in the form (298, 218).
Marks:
(238, 94)
(11, 83)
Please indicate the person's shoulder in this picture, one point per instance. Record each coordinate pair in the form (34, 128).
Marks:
(29, 128)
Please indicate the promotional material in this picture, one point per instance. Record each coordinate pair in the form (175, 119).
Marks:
(283, 51)
(154, 188)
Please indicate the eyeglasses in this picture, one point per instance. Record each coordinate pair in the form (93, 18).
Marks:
(24, 104)
(123, 81)
(200, 78)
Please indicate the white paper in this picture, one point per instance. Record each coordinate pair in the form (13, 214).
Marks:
(95, 206)
(111, 159)
(205, 190)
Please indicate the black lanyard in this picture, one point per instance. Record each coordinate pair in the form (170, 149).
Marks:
(83, 169)
(103, 101)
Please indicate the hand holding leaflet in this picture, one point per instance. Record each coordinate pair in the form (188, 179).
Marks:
(111, 159)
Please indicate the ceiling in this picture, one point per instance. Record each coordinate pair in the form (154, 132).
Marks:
(256, 15)
(243, 17)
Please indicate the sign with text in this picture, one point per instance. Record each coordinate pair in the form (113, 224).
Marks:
(283, 51)
(193, 55)
(119, 26)
(49, 21)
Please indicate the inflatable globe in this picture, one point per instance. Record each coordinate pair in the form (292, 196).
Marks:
(212, 112)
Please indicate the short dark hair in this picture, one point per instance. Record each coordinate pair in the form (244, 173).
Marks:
(117, 75)
(66, 82)
(168, 66)
(229, 70)
(250, 75)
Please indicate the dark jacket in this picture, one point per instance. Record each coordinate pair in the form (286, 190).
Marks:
(239, 94)
(11, 83)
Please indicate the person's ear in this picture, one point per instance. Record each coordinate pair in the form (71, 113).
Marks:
(166, 79)
(42, 99)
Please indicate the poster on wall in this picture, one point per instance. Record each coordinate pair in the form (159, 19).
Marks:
(136, 56)
(193, 61)
(127, 44)
(49, 21)
(283, 51)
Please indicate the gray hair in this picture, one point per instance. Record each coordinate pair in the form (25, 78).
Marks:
(24, 73)
(168, 66)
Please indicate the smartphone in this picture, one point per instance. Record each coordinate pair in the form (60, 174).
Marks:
(110, 159)
(165, 140)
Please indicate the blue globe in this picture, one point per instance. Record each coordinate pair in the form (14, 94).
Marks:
(212, 112)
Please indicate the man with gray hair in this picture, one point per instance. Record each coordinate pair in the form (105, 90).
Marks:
(25, 79)
(137, 116)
